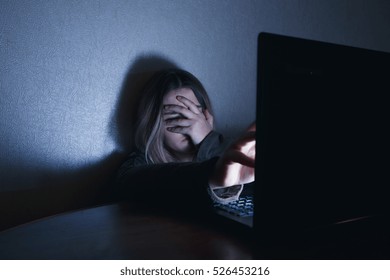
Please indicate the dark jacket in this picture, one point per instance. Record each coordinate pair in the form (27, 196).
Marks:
(185, 183)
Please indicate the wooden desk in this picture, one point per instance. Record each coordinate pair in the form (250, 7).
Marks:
(120, 231)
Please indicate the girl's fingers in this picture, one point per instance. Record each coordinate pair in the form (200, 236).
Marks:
(178, 129)
(252, 127)
(178, 122)
(196, 109)
(169, 116)
(177, 109)
(249, 137)
(238, 157)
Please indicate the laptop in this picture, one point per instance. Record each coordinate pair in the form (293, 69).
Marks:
(240, 211)
(322, 143)
(322, 151)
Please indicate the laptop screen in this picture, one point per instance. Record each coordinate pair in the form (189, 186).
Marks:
(322, 133)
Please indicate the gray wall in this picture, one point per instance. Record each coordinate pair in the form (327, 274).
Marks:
(70, 70)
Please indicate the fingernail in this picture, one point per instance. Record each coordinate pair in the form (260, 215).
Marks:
(179, 97)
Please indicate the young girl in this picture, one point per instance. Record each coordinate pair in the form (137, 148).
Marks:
(178, 155)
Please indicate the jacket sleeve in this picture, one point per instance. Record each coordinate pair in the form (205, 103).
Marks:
(211, 146)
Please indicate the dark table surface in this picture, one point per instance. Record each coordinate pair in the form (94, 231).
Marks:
(122, 231)
(128, 230)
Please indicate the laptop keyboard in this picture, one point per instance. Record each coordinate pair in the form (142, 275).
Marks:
(243, 207)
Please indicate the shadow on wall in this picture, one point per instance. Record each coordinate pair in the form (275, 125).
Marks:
(57, 191)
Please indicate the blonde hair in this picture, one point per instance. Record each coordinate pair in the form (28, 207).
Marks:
(149, 133)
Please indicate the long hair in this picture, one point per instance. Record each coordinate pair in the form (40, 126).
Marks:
(149, 131)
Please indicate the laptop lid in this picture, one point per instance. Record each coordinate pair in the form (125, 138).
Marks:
(323, 113)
